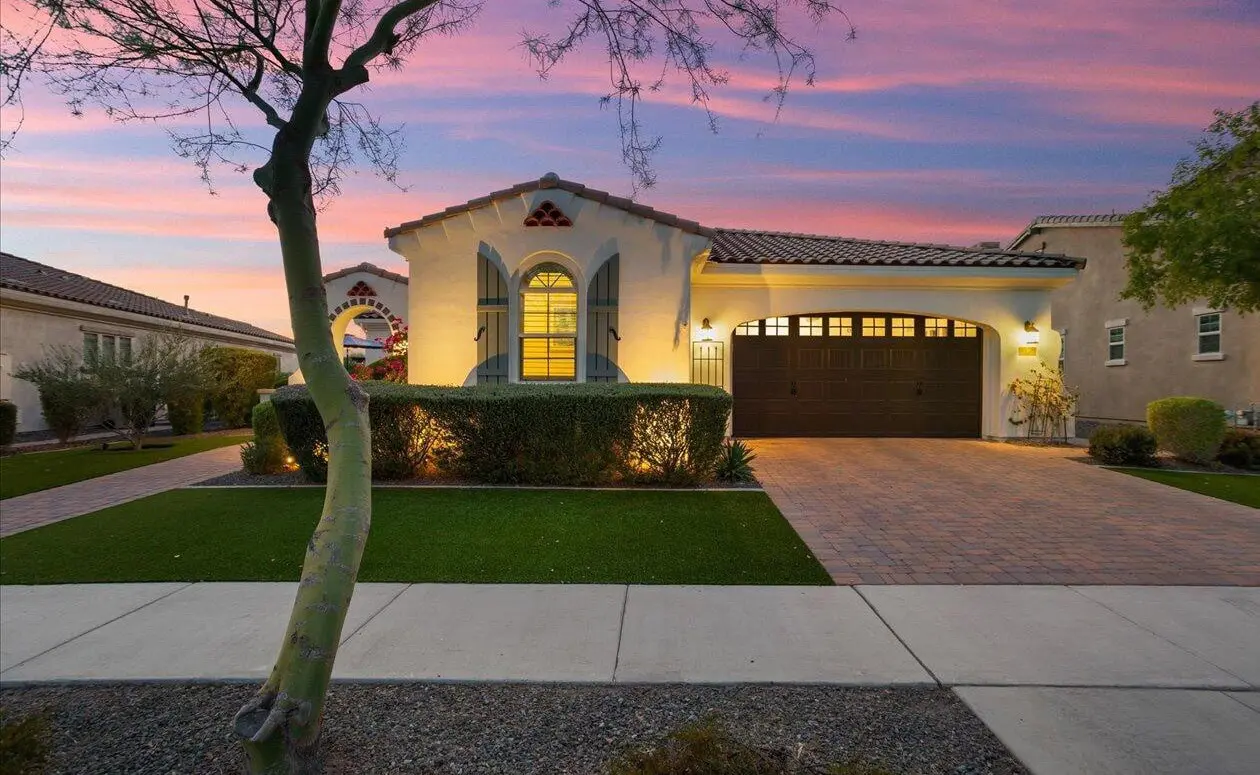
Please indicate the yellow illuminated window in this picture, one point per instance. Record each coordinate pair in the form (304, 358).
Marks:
(811, 326)
(776, 326)
(903, 326)
(839, 326)
(549, 320)
(748, 329)
(936, 327)
(965, 329)
(873, 327)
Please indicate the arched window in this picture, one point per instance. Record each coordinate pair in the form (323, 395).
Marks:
(549, 318)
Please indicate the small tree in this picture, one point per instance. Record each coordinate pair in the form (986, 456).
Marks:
(1043, 403)
(69, 396)
(165, 368)
(1200, 239)
(236, 375)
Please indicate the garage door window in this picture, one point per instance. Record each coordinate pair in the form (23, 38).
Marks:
(966, 330)
(777, 326)
(748, 329)
(873, 327)
(903, 326)
(811, 326)
(839, 326)
(936, 327)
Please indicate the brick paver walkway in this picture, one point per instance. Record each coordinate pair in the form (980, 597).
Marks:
(941, 511)
(40, 508)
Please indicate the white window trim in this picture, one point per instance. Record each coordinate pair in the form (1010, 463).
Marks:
(1117, 323)
(1208, 357)
(1117, 362)
(1197, 311)
(1111, 324)
(1219, 355)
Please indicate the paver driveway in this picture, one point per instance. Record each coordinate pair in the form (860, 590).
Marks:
(944, 511)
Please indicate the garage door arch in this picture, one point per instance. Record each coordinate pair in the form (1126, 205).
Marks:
(861, 373)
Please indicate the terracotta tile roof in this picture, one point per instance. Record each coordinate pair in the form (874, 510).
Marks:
(370, 269)
(1052, 221)
(742, 246)
(21, 274)
(550, 181)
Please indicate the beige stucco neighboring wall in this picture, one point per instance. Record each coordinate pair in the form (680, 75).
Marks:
(29, 324)
(999, 300)
(1159, 345)
(655, 262)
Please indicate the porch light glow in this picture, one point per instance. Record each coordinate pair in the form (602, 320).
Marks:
(1031, 334)
(706, 331)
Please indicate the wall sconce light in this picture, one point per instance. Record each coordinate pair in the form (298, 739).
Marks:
(706, 331)
(1031, 334)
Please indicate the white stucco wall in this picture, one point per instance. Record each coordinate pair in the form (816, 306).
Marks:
(29, 324)
(653, 294)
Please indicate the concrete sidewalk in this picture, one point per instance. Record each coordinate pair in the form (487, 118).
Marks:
(1071, 679)
(72, 500)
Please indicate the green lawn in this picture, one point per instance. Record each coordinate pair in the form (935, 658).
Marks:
(35, 471)
(1239, 488)
(438, 535)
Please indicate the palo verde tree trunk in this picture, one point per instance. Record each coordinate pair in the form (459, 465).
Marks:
(280, 726)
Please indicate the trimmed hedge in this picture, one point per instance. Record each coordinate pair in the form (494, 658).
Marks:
(578, 434)
(1190, 428)
(1123, 445)
(8, 423)
(187, 414)
(267, 453)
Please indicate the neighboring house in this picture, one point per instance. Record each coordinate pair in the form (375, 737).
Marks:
(368, 296)
(550, 281)
(1122, 358)
(43, 306)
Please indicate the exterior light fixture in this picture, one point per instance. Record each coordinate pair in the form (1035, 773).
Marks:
(1031, 334)
(706, 331)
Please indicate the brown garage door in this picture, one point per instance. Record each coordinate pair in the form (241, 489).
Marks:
(858, 374)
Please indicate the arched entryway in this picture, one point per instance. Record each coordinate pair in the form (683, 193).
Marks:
(372, 315)
(857, 374)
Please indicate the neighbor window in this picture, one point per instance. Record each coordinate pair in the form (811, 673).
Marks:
(933, 327)
(1115, 344)
(811, 326)
(107, 347)
(873, 327)
(839, 326)
(776, 326)
(748, 329)
(549, 313)
(1209, 333)
(903, 326)
(967, 330)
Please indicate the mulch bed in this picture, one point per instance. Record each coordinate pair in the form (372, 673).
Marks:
(517, 729)
(295, 478)
(1166, 462)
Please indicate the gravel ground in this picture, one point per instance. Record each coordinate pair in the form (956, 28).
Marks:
(513, 729)
(292, 478)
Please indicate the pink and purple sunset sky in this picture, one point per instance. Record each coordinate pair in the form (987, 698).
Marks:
(946, 122)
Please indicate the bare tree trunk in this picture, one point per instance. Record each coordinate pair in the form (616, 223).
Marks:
(280, 727)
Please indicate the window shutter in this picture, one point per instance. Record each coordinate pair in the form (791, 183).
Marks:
(601, 323)
(492, 328)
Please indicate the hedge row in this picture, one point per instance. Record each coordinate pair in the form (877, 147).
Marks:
(579, 434)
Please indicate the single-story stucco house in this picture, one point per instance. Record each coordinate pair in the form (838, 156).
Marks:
(551, 281)
(42, 306)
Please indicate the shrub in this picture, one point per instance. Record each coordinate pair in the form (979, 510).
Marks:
(8, 423)
(735, 462)
(187, 414)
(68, 395)
(1240, 449)
(1123, 445)
(163, 368)
(1043, 402)
(529, 434)
(1190, 428)
(236, 375)
(24, 748)
(267, 453)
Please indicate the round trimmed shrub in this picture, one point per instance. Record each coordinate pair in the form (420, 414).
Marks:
(1190, 428)
(187, 414)
(267, 453)
(1123, 445)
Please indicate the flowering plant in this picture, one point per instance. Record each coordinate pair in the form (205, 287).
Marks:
(392, 367)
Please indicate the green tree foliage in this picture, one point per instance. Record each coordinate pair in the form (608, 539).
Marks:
(1200, 239)
(164, 368)
(69, 397)
(236, 376)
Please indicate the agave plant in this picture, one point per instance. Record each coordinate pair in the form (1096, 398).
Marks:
(735, 462)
